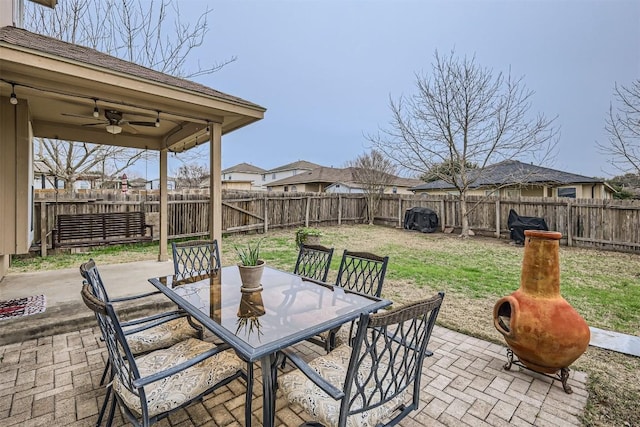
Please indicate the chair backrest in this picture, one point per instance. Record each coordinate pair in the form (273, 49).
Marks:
(121, 357)
(313, 262)
(362, 272)
(91, 276)
(387, 358)
(195, 257)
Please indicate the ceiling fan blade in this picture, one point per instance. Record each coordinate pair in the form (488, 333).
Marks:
(128, 128)
(78, 115)
(96, 124)
(149, 124)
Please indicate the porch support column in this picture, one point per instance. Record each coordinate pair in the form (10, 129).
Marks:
(215, 182)
(162, 253)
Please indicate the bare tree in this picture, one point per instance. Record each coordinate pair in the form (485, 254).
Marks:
(190, 175)
(136, 31)
(463, 114)
(71, 161)
(623, 126)
(374, 172)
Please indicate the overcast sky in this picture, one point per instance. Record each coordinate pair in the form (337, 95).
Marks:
(325, 69)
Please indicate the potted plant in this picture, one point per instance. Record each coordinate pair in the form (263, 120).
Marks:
(308, 236)
(250, 266)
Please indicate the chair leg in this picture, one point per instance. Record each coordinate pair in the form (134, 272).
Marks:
(330, 343)
(283, 364)
(104, 373)
(112, 411)
(104, 406)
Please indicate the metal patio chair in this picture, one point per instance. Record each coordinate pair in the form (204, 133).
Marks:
(150, 387)
(143, 334)
(195, 257)
(362, 272)
(313, 262)
(376, 382)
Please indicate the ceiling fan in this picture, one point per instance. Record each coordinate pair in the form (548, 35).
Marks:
(115, 122)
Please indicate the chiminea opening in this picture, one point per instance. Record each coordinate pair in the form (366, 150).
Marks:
(504, 316)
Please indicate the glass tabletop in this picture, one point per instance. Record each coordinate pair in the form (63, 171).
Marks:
(287, 309)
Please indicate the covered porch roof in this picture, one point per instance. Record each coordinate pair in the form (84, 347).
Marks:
(63, 84)
(54, 89)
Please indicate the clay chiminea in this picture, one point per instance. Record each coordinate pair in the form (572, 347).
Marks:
(540, 327)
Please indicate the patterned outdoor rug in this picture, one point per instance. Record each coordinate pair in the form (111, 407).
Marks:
(22, 306)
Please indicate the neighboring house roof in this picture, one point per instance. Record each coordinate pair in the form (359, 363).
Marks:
(300, 164)
(205, 182)
(331, 175)
(319, 174)
(513, 171)
(40, 167)
(244, 167)
(23, 38)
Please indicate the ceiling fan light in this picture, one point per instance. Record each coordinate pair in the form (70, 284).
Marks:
(114, 129)
(157, 122)
(13, 100)
(96, 112)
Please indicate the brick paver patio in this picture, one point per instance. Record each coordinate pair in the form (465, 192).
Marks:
(55, 381)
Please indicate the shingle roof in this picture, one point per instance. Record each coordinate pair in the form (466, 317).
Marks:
(513, 171)
(51, 46)
(300, 164)
(244, 167)
(321, 174)
(331, 175)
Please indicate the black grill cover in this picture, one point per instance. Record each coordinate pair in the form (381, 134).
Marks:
(517, 224)
(421, 219)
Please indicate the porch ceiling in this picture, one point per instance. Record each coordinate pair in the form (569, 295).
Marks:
(62, 91)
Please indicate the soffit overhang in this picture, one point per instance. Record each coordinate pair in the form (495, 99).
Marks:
(61, 94)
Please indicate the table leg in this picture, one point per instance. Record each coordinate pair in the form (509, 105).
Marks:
(249, 395)
(267, 364)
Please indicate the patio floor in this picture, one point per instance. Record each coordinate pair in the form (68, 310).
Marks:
(54, 379)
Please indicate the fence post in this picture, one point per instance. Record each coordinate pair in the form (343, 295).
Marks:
(266, 210)
(498, 219)
(399, 210)
(442, 221)
(569, 225)
(339, 209)
(43, 229)
(306, 213)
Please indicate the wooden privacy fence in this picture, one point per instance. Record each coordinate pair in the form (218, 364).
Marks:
(607, 224)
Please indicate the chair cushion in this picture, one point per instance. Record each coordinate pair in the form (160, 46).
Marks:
(161, 336)
(171, 392)
(322, 407)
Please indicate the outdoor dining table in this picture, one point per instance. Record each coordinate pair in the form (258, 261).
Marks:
(287, 310)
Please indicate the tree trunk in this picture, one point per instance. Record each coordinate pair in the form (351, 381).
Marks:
(370, 208)
(70, 186)
(464, 215)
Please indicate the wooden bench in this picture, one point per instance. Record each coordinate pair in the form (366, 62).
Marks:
(95, 229)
